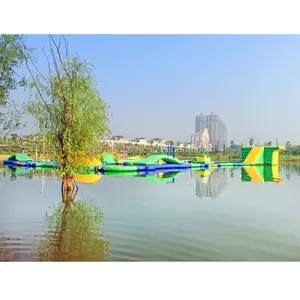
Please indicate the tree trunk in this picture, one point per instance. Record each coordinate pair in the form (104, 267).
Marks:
(68, 186)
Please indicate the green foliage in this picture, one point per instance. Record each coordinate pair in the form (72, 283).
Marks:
(74, 234)
(11, 118)
(67, 105)
(268, 143)
(13, 53)
(14, 138)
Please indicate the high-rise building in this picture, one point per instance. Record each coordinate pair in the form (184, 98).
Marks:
(217, 130)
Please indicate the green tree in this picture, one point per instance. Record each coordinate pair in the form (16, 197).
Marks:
(67, 105)
(13, 52)
(288, 147)
(251, 141)
(14, 139)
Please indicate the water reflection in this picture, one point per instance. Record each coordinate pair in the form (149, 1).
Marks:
(73, 230)
(27, 173)
(9, 248)
(261, 174)
(210, 183)
(290, 170)
(74, 233)
(152, 221)
(215, 179)
(165, 177)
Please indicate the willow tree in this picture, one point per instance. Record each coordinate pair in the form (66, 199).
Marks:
(66, 104)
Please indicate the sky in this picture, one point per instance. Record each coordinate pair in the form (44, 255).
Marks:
(157, 84)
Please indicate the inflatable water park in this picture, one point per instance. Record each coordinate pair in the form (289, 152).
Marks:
(110, 163)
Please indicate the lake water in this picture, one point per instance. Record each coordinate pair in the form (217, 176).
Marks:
(220, 216)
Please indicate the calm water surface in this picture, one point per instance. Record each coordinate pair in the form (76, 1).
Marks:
(195, 217)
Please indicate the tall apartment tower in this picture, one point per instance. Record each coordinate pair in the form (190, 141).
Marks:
(217, 130)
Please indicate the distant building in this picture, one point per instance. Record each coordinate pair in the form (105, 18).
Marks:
(141, 141)
(216, 128)
(120, 138)
(201, 140)
(158, 142)
(170, 143)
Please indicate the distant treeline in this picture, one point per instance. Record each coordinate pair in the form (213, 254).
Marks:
(132, 149)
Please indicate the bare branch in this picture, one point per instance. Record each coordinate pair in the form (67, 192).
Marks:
(49, 69)
(67, 52)
(55, 64)
(60, 58)
(48, 63)
(40, 93)
(66, 46)
(39, 72)
(59, 42)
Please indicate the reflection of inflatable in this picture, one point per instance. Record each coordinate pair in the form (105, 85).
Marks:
(203, 173)
(168, 177)
(261, 174)
(87, 178)
(17, 172)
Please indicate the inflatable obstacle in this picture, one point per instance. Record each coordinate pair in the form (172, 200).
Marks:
(261, 155)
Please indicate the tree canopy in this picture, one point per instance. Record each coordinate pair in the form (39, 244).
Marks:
(13, 52)
(66, 104)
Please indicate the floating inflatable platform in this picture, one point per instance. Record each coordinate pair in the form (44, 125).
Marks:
(158, 162)
(250, 156)
(23, 160)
